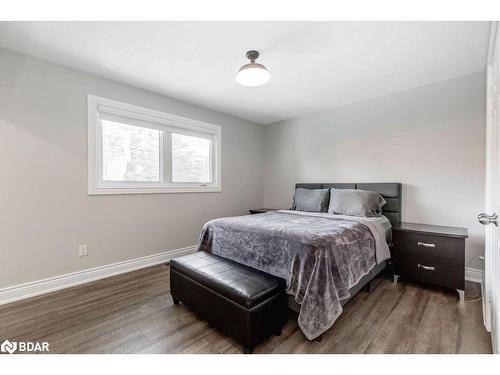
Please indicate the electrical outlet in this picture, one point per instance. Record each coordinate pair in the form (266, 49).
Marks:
(82, 250)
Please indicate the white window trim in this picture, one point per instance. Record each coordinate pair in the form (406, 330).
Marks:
(162, 121)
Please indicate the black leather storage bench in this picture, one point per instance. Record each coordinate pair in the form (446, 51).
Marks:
(245, 304)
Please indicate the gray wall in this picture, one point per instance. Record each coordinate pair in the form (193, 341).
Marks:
(45, 212)
(432, 139)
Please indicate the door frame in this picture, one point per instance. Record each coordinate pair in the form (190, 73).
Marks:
(490, 316)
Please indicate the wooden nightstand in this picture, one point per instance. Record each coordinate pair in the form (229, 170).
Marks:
(430, 253)
(261, 210)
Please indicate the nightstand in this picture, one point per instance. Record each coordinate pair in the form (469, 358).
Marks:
(430, 253)
(261, 210)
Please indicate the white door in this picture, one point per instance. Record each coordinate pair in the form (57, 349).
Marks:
(489, 219)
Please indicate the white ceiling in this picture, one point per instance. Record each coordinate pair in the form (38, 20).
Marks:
(314, 65)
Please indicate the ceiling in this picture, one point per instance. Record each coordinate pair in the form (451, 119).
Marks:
(314, 65)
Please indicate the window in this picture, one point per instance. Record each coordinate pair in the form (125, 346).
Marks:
(190, 159)
(137, 150)
(130, 153)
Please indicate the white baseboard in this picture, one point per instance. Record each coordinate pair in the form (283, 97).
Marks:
(52, 284)
(473, 274)
(35, 288)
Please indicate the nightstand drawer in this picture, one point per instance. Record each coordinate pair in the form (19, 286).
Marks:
(449, 248)
(431, 269)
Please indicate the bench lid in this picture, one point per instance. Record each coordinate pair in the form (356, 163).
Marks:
(239, 283)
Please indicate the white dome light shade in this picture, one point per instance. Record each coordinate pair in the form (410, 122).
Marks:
(253, 74)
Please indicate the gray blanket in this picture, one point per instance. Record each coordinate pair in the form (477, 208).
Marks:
(321, 256)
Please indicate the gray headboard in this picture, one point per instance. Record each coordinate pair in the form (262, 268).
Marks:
(391, 192)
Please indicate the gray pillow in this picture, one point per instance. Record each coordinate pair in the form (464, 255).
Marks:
(355, 202)
(311, 200)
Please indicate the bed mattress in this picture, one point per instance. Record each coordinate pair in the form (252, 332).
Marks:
(321, 256)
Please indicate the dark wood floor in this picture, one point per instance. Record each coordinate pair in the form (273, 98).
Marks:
(134, 313)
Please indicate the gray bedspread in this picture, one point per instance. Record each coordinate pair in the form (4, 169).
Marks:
(321, 256)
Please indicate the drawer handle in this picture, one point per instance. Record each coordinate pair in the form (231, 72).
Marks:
(427, 268)
(425, 244)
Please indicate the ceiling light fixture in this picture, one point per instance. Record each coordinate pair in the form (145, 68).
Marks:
(253, 74)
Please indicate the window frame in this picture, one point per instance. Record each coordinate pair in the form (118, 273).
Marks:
(103, 108)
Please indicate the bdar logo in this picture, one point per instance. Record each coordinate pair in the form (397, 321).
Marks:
(24, 346)
(8, 347)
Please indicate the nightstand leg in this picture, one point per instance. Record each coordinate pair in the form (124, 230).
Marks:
(395, 281)
(461, 295)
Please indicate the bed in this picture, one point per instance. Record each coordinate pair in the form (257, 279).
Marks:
(324, 258)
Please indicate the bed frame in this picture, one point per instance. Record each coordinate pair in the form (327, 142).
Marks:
(392, 193)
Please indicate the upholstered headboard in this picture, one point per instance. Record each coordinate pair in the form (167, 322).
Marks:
(391, 192)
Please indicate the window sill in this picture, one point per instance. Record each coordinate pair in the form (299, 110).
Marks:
(120, 191)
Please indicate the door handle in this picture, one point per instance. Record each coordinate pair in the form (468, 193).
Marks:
(486, 219)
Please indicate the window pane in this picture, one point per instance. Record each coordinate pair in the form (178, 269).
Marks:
(190, 159)
(130, 153)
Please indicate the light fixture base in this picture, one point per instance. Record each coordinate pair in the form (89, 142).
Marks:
(252, 55)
